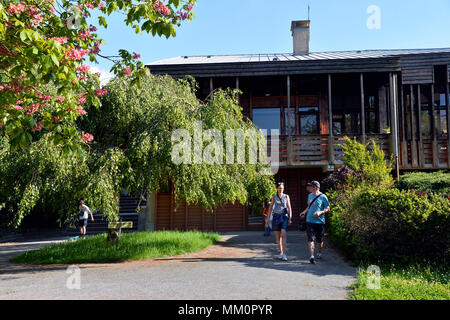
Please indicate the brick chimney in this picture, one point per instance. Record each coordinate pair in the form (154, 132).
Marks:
(300, 32)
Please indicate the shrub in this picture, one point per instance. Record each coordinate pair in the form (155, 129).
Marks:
(368, 160)
(388, 225)
(438, 182)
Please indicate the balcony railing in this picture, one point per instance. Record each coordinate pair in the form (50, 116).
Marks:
(313, 150)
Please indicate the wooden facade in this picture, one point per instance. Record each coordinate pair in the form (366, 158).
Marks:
(401, 102)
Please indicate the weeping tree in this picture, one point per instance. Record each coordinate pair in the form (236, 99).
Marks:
(134, 149)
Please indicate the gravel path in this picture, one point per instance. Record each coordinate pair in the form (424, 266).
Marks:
(241, 266)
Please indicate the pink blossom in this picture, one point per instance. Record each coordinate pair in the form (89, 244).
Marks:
(96, 48)
(90, 5)
(84, 68)
(17, 107)
(16, 9)
(33, 108)
(81, 99)
(60, 99)
(84, 35)
(136, 56)
(161, 7)
(92, 28)
(86, 136)
(61, 40)
(189, 7)
(100, 92)
(44, 97)
(74, 54)
(52, 9)
(81, 111)
(56, 119)
(127, 71)
(38, 127)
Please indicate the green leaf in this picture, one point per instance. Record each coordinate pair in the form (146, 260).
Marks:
(55, 60)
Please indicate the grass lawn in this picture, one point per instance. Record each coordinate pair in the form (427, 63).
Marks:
(414, 283)
(133, 246)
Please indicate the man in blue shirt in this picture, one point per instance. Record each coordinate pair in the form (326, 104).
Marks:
(318, 206)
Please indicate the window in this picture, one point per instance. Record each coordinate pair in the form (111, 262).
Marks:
(371, 115)
(346, 123)
(425, 111)
(440, 115)
(440, 101)
(308, 120)
(267, 118)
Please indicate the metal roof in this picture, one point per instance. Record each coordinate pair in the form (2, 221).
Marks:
(280, 57)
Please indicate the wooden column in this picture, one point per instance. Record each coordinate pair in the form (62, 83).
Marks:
(250, 102)
(289, 103)
(419, 118)
(414, 155)
(290, 158)
(331, 158)
(433, 131)
(363, 113)
(394, 122)
(404, 148)
(211, 85)
(237, 87)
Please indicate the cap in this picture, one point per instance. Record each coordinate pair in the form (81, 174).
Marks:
(280, 183)
(314, 184)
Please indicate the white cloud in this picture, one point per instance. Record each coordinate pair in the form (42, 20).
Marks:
(105, 76)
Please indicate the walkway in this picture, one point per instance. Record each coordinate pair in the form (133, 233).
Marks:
(241, 266)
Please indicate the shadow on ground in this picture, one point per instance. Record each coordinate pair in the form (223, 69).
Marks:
(262, 252)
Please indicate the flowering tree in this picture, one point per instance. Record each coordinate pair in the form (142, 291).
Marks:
(44, 83)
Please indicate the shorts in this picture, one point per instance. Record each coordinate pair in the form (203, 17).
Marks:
(281, 225)
(315, 232)
(82, 222)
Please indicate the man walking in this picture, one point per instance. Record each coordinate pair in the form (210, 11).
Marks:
(318, 206)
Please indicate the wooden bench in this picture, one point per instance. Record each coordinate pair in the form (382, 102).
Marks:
(115, 230)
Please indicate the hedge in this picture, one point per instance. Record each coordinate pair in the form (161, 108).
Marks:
(438, 182)
(388, 225)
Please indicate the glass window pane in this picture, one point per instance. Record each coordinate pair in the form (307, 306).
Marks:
(425, 124)
(308, 109)
(309, 124)
(371, 122)
(442, 101)
(442, 123)
(337, 124)
(267, 118)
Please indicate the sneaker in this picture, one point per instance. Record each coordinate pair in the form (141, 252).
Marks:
(284, 258)
(318, 256)
(280, 257)
(312, 260)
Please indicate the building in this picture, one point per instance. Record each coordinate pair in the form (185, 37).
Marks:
(398, 98)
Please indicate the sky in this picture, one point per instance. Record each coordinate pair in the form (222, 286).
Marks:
(263, 26)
